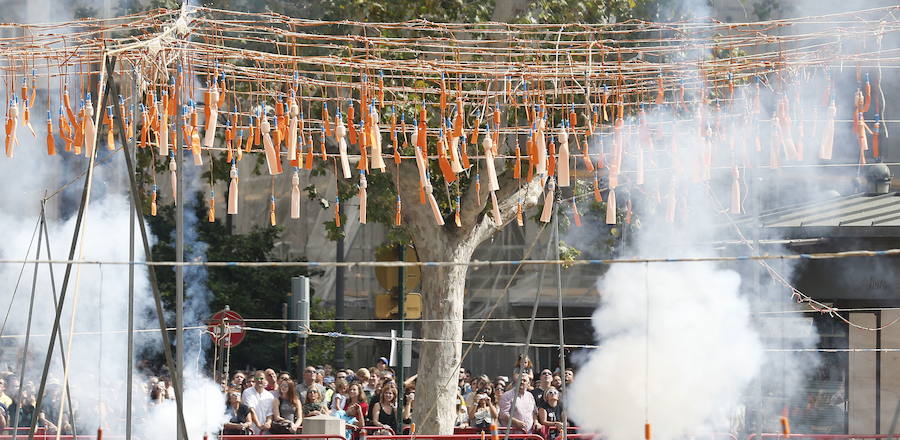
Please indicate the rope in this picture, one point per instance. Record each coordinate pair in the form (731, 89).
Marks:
(480, 263)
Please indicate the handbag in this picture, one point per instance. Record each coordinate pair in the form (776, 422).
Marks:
(282, 427)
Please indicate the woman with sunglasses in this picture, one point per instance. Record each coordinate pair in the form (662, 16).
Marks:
(238, 415)
(314, 405)
(550, 413)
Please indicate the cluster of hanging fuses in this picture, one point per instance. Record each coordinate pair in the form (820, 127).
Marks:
(547, 150)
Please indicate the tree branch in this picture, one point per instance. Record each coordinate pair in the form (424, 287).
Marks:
(507, 197)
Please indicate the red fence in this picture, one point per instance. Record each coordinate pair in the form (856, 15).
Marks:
(826, 436)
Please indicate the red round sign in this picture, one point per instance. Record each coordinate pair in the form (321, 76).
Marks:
(226, 328)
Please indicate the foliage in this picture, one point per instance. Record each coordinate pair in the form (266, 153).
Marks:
(254, 292)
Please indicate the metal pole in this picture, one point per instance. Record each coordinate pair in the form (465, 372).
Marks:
(300, 298)
(559, 311)
(339, 305)
(878, 372)
(284, 339)
(179, 257)
(401, 306)
(129, 356)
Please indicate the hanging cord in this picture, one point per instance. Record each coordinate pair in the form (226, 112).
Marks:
(19, 279)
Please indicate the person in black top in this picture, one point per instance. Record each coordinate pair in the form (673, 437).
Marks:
(238, 415)
(550, 413)
(384, 412)
(542, 385)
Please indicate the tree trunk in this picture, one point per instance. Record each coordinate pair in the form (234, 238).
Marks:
(443, 291)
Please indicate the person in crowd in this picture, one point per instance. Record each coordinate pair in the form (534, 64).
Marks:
(362, 376)
(223, 384)
(478, 386)
(550, 413)
(237, 415)
(314, 405)
(237, 379)
(287, 411)
(5, 400)
(381, 364)
(484, 413)
(339, 397)
(309, 382)
(556, 382)
(328, 371)
(320, 376)
(544, 383)
(283, 376)
(462, 412)
(24, 414)
(158, 393)
(271, 379)
(570, 376)
(259, 400)
(524, 365)
(408, 399)
(376, 396)
(357, 404)
(384, 411)
(522, 416)
(497, 394)
(464, 386)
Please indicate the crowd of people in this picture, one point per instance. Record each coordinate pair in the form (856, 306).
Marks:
(17, 404)
(269, 402)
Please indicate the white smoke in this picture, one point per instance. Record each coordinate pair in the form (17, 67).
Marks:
(681, 345)
(702, 352)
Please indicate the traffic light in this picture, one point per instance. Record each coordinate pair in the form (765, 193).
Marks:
(386, 306)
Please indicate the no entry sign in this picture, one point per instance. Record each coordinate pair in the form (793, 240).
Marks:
(227, 328)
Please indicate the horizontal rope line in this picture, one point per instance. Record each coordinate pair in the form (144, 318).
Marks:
(477, 263)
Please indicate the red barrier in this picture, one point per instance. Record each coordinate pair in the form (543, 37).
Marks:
(826, 436)
(469, 431)
(450, 437)
(370, 429)
(280, 437)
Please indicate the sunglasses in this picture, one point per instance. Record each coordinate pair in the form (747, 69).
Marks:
(260, 379)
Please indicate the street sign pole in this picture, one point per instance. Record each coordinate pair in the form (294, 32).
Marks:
(300, 295)
(401, 397)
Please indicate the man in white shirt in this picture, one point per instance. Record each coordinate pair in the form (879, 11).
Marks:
(259, 400)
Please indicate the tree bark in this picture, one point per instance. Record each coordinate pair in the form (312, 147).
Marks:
(443, 289)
